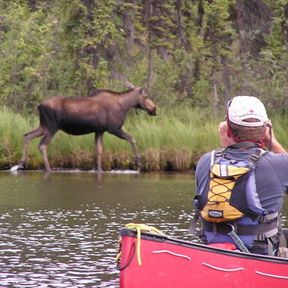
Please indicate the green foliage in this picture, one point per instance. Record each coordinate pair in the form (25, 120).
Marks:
(194, 54)
(219, 27)
(164, 81)
(87, 31)
(190, 51)
(54, 51)
(273, 63)
(22, 49)
(174, 140)
(12, 128)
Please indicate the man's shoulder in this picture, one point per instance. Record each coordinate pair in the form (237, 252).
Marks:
(203, 164)
(273, 165)
(205, 157)
(282, 157)
(277, 161)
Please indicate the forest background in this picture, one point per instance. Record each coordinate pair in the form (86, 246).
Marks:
(191, 55)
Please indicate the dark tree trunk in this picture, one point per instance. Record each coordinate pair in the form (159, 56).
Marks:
(180, 26)
(128, 15)
(253, 21)
(150, 39)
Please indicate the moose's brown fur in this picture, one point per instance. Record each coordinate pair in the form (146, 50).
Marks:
(104, 111)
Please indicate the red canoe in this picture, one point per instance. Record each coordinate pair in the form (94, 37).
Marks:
(159, 261)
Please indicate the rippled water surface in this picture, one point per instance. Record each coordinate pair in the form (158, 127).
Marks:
(61, 230)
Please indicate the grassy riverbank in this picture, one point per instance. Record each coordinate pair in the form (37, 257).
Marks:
(171, 141)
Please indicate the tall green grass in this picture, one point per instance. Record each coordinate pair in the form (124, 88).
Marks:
(173, 140)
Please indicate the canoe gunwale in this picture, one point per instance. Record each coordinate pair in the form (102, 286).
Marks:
(168, 239)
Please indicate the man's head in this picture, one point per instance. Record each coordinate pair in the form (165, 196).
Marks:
(247, 119)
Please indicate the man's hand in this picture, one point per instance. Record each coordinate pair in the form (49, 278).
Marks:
(271, 142)
(225, 140)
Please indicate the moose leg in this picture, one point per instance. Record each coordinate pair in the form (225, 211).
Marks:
(43, 148)
(26, 140)
(123, 135)
(99, 150)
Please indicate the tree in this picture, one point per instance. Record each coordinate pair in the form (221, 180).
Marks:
(185, 50)
(23, 48)
(88, 36)
(218, 38)
(273, 61)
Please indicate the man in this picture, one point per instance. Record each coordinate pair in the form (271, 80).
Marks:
(245, 136)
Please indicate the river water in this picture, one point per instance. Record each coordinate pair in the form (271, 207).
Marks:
(62, 229)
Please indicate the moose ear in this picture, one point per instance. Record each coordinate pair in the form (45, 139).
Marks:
(129, 85)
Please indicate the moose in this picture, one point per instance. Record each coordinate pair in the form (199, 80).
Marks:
(103, 111)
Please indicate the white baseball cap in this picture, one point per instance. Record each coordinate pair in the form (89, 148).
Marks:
(241, 108)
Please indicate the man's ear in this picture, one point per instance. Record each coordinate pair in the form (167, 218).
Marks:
(229, 133)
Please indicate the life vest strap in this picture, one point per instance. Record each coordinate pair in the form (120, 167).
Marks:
(268, 218)
(270, 228)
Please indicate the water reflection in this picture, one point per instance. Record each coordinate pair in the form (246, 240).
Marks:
(62, 230)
